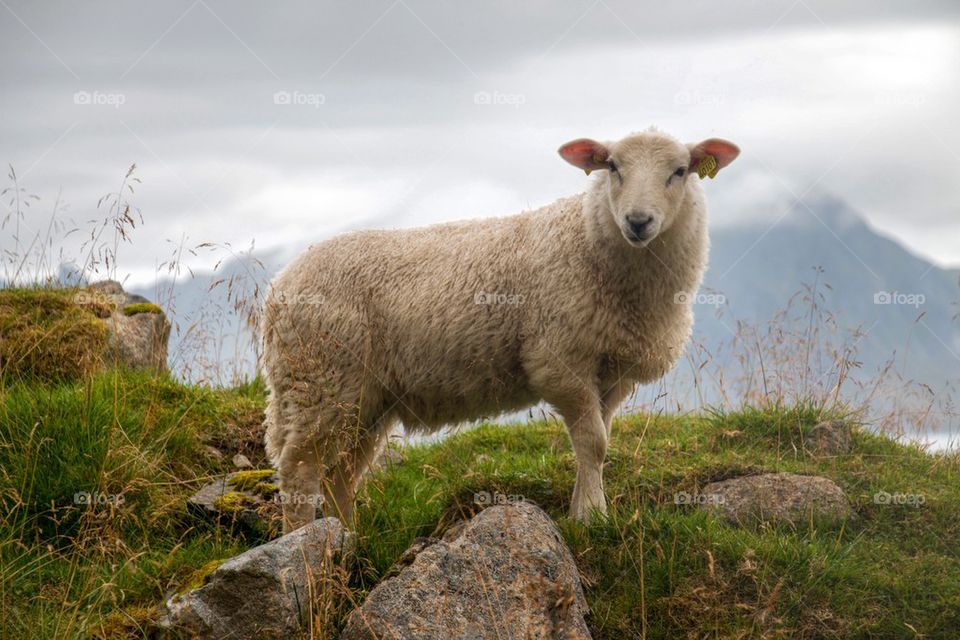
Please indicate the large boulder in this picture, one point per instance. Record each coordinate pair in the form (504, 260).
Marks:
(776, 497)
(138, 331)
(265, 592)
(506, 574)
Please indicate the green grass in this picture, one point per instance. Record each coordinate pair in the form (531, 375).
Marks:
(651, 567)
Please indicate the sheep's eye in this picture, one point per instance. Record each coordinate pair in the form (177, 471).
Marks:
(679, 173)
(612, 166)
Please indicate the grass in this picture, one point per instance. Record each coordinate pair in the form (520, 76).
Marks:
(651, 569)
(46, 335)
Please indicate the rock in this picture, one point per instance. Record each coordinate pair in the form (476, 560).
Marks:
(212, 452)
(264, 592)
(776, 497)
(508, 574)
(138, 331)
(241, 461)
(830, 438)
(246, 497)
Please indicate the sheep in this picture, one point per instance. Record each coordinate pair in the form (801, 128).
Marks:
(574, 304)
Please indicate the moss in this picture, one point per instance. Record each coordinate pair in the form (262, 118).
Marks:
(201, 576)
(141, 307)
(50, 335)
(248, 480)
(266, 488)
(233, 502)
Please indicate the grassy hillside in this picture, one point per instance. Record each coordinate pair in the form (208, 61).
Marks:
(653, 567)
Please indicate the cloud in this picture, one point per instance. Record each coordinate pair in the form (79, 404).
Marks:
(406, 113)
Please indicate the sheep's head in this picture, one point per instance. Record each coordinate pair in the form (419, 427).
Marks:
(647, 177)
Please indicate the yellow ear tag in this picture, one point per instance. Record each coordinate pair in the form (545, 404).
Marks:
(707, 167)
(597, 159)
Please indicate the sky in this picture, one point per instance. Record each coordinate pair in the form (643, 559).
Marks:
(286, 123)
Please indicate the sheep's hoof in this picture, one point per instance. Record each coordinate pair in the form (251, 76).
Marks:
(587, 510)
(293, 519)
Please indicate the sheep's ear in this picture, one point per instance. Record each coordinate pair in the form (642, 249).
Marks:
(585, 154)
(722, 152)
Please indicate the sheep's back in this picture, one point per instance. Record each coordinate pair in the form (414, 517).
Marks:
(435, 314)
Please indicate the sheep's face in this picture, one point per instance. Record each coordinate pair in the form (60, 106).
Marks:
(647, 177)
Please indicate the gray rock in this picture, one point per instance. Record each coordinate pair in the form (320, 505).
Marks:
(264, 592)
(212, 452)
(830, 438)
(241, 461)
(776, 497)
(508, 574)
(136, 341)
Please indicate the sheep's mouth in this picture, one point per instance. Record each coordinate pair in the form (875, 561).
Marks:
(636, 240)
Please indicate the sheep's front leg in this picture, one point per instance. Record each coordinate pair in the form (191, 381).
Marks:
(588, 434)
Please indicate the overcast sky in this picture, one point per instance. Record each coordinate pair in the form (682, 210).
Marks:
(289, 122)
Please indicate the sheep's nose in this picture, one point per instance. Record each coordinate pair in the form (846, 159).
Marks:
(639, 224)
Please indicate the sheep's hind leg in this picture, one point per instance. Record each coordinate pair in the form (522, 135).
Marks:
(300, 472)
(614, 394)
(361, 451)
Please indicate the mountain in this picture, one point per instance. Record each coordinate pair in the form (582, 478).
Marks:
(905, 305)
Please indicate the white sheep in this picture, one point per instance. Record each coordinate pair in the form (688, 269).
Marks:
(574, 303)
